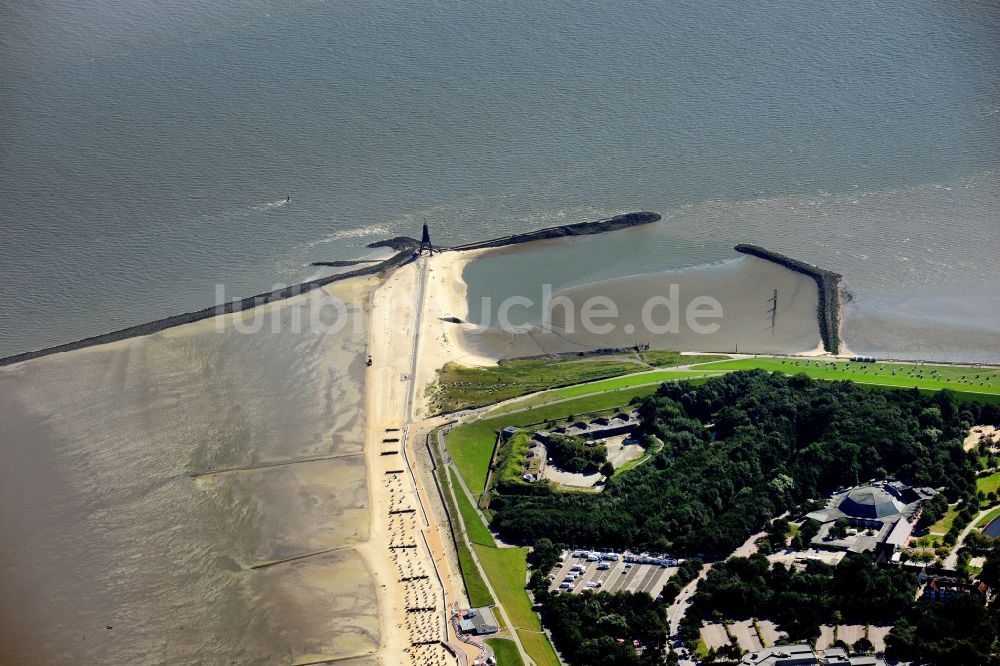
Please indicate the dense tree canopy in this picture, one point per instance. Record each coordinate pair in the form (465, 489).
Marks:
(602, 628)
(741, 449)
(961, 631)
(856, 591)
(575, 454)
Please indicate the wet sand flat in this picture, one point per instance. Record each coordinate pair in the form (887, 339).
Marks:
(742, 288)
(104, 526)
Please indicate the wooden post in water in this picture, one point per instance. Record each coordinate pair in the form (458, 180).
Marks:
(774, 309)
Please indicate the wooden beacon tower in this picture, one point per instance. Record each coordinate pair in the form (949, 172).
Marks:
(425, 242)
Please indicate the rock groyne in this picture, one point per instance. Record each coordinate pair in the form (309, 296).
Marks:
(828, 284)
(158, 325)
(579, 229)
(404, 246)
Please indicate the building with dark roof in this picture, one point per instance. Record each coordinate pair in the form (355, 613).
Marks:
(869, 504)
(884, 512)
(479, 621)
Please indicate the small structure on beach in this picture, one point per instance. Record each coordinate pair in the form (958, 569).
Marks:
(425, 242)
(479, 621)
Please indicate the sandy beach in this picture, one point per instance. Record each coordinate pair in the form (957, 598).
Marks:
(442, 341)
(407, 552)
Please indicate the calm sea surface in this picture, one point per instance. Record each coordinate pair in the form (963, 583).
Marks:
(146, 152)
(146, 147)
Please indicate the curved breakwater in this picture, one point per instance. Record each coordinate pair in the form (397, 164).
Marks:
(827, 284)
(404, 247)
(579, 229)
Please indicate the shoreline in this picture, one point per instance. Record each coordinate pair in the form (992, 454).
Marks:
(241, 305)
(404, 246)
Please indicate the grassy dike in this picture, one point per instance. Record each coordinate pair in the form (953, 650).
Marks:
(460, 387)
(971, 383)
(475, 587)
(507, 571)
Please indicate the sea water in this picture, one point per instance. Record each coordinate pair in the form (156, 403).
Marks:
(148, 148)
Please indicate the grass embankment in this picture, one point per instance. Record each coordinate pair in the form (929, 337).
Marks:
(664, 359)
(475, 529)
(507, 570)
(475, 586)
(471, 445)
(459, 387)
(614, 384)
(988, 518)
(974, 383)
(505, 652)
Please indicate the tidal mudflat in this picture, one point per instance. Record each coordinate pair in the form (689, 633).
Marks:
(155, 490)
(742, 288)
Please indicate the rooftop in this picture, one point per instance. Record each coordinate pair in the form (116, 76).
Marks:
(870, 502)
(803, 655)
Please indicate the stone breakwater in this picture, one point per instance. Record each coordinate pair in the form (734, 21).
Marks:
(405, 251)
(579, 229)
(827, 282)
(248, 303)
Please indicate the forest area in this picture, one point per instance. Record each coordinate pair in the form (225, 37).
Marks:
(741, 449)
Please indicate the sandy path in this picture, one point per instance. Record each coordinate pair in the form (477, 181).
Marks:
(440, 341)
(980, 434)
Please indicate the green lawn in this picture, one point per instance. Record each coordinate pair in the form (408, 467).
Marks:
(538, 647)
(614, 384)
(479, 595)
(628, 381)
(663, 359)
(507, 570)
(460, 387)
(942, 526)
(505, 651)
(474, 527)
(475, 586)
(988, 484)
(933, 377)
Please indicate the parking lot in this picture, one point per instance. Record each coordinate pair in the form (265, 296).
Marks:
(619, 576)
